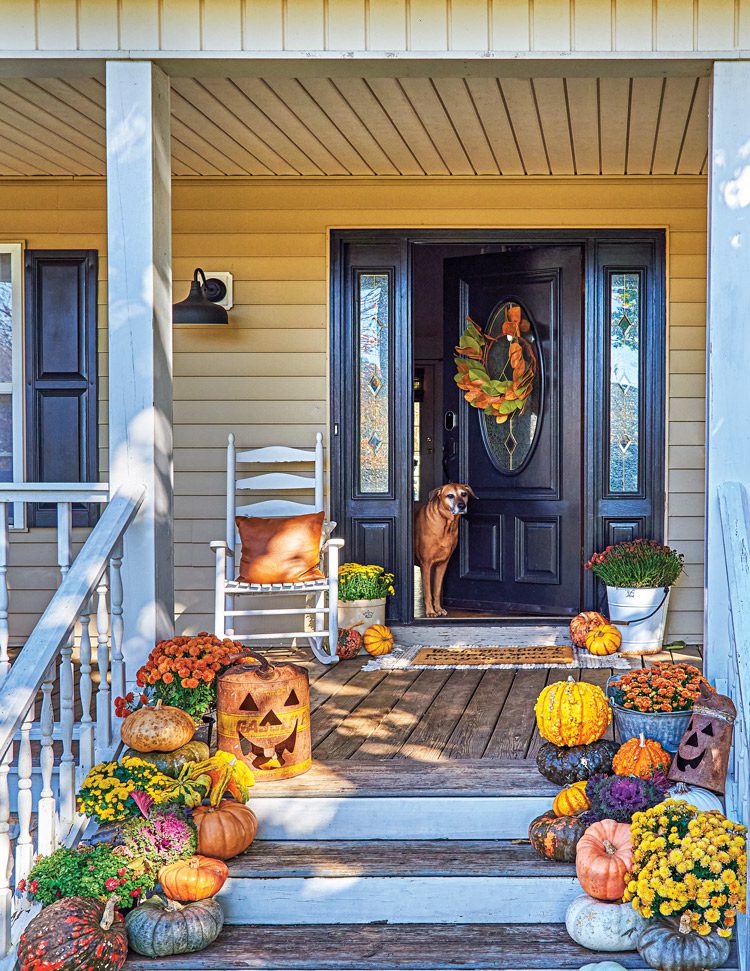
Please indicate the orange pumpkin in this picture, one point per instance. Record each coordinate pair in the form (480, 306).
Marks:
(193, 879)
(571, 801)
(224, 830)
(604, 856)
(581, 624)
(642, 757)
(603, 640)
(378, 640)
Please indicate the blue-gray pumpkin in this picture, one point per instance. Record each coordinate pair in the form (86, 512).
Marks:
(670, 945)
(160, 927)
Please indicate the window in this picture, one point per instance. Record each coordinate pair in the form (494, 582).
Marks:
(11, 368)
(624, 381)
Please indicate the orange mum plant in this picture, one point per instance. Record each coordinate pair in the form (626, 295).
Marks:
(182, 671)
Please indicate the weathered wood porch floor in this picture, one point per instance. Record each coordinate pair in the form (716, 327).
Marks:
(431, 716)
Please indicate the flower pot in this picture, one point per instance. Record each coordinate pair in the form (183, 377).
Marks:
(645, 609)
(664, 727)
(361, 614)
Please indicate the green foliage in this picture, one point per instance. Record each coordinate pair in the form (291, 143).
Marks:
(99, 872)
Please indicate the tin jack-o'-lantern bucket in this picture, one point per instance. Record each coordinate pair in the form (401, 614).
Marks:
(263, 717)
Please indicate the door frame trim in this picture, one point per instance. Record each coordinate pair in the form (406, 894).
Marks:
(596, 506)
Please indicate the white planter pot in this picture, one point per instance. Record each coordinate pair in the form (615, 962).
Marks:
(361, 614)
(646, 634)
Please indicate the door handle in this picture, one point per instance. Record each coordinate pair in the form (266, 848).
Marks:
(450, 421)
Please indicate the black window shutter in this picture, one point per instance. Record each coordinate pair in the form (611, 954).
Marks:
(61, 374)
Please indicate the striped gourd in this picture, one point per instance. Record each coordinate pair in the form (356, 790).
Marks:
(572, 713)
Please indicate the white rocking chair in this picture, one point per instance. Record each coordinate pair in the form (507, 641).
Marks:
(324, 592)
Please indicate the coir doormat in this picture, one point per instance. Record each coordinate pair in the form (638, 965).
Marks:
(478, 657)
(435, 657)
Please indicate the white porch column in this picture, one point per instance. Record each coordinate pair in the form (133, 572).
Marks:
(728, 365)
(139, 253)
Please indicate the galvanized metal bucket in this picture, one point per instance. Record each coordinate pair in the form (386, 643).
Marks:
(665, 727)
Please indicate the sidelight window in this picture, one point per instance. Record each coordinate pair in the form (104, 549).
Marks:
(625, 340)
(374, 340)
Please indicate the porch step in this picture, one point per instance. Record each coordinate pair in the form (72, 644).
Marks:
(386, 947)
(392, 799)
(399, 882)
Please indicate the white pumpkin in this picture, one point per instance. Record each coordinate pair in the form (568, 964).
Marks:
(702, 799)
(602, 926)
(603, 966)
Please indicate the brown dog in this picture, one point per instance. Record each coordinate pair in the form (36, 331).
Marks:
(436, 537)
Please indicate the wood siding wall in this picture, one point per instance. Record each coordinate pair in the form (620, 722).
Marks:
(302, 26)
(265, 377)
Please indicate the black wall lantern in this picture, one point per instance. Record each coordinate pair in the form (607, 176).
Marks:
(200, 306)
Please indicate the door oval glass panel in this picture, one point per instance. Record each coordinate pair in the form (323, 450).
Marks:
(510, 428)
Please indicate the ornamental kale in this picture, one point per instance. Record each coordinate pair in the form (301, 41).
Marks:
(166, 835)
(619, 797)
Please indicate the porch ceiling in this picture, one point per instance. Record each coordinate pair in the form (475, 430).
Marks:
(382, 126)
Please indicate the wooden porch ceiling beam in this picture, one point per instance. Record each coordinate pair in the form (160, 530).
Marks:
(345, 64)
(139, 254)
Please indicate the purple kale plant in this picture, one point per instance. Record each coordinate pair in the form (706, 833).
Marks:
(165, 835)
(618, 797)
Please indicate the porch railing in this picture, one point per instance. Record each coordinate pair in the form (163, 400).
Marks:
(76, 727)
(735, 526)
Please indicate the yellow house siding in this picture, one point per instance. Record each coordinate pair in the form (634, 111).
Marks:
(547, 27)
(265, 376)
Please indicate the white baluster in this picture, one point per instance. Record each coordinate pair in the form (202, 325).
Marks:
(24, 845)
(6, 854)
(4, 597)
(46, 808)
(103, 707)
(67, 705)
(117, 664)
(86, 737)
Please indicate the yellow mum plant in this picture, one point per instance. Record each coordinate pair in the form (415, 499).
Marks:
(358, 582)
(688, 862)
(110, 791)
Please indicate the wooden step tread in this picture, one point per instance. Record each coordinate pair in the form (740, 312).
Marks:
(377, 947)
(395, 858)
(402, 778)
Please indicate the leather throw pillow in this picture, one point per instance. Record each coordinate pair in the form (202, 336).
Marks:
(280, 549)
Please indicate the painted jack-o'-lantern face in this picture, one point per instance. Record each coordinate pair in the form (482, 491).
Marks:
(703, 754)
(264, 719)
(264, 737)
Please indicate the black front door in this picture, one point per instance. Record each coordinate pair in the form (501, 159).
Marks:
(520, 545)
(585, 464)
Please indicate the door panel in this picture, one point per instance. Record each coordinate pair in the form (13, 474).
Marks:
(520, 545)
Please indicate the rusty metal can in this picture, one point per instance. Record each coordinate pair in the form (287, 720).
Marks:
(263, 718)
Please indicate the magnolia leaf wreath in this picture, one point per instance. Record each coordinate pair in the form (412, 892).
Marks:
(501, 397)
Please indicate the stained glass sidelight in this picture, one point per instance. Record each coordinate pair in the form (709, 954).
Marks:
(624, 381)
(374, 382)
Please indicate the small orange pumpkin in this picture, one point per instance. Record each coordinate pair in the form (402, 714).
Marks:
(642, 757)
(193, 879)
(604, 856)
(582, 623)
(571, 801)
(224, 830)
(603, 640)
(378, 640)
